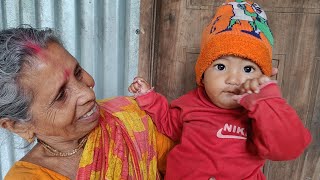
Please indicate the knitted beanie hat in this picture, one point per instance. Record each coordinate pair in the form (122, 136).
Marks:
(239, 28)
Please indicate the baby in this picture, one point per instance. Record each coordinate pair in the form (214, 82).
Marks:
(236, 118)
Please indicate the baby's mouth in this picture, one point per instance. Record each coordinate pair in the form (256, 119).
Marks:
(235, 91)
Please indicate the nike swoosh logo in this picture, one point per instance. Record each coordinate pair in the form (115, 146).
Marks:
(220, 135)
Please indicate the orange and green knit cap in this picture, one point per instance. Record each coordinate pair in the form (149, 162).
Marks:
(239, 28)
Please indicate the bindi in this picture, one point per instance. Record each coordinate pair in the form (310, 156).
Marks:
(67, 73)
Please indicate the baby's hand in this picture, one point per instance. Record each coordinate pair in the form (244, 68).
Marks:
(139, 86)
(253, 85)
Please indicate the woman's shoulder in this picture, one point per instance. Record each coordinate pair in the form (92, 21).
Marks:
(119, 104)
(116, 99)
(26, 170)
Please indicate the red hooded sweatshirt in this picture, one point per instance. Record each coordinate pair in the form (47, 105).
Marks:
(226, 144)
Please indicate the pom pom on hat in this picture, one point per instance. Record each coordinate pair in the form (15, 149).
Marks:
(239, 28)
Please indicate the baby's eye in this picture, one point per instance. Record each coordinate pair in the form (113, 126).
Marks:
(220, 67)
(248, 69)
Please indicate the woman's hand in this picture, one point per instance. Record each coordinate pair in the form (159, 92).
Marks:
(139, 86)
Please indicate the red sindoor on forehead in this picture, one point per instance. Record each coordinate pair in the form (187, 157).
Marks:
(35, 48)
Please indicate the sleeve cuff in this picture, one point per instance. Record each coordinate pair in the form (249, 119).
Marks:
(267, 91)
(146, 98)
(141, 94)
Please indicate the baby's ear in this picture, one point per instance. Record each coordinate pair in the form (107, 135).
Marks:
(202, 77)
(23, 129)
(274, 71)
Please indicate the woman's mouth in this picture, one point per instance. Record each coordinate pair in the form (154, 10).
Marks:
(90, 113)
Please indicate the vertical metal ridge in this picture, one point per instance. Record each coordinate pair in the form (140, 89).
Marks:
(132, 43)
(2, 23)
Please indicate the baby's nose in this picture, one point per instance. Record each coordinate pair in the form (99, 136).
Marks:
(234, 79)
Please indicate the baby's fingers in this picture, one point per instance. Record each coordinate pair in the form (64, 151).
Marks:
(236, 97)
(143, 85)
(254, 85)
(250, 86)
(245, 88)
(264, 79)
(134, 87)
(130, 89)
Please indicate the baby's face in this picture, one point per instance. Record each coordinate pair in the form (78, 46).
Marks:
(223, 78)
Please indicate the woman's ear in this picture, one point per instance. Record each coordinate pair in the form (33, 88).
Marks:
(7, 124)
(24, 130)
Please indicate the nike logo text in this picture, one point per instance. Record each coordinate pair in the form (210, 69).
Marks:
(234, 132)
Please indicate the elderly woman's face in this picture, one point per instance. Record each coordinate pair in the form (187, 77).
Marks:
(64, 104)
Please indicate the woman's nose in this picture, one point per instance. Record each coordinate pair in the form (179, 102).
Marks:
(84, 94)
(87, 79)
(84, 90)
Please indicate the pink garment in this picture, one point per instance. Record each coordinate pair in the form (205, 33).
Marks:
(226, 144)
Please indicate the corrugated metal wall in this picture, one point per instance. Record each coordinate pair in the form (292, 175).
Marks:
(101, 34)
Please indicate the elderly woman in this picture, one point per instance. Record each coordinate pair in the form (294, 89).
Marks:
(46, 96)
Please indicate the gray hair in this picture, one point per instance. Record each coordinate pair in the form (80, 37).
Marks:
(18, 46)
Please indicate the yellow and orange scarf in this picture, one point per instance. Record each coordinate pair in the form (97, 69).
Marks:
(123, 146)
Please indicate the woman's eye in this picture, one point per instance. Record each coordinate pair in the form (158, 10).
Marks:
(78, 73)
(220, 67)
(61, 96)
(248, 69)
